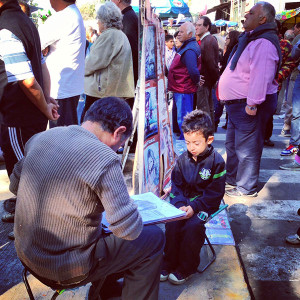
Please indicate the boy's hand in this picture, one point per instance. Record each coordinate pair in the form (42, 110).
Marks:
(188, 209)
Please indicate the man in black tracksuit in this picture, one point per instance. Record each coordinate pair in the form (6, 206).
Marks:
(198, 186)
(25, 106)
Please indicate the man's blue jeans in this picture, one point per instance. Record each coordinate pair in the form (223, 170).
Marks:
(244, 143)
(295, 123)
(184, 105)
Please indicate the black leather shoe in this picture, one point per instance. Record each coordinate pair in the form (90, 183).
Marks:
(8, 218)
(10, 204)
(11, 236)
(269, 143)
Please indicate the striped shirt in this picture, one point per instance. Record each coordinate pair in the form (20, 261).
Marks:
(12, 52)
(61, 200)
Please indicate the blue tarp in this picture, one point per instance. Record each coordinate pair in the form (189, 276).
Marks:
(166, 8)
(221, 23)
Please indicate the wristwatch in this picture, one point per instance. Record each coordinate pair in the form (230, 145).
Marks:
(252, 107)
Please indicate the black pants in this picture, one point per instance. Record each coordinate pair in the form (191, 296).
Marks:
(184, 240)
(205, 101)
(67, 111)
(14, 140)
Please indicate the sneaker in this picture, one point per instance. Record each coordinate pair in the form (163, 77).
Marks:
(293, 166)
(11, 235)
(8, 218)
(269, 143)
(286, 132)
(293, 239)
(177, 278)
(229, 186)
(236, 193)
(290, 150)
(164, 275)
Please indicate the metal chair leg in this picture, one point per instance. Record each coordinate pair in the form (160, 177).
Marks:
(213, 257)
(24, 275)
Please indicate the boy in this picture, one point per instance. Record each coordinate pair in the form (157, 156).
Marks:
(170, 50)
(198, 186)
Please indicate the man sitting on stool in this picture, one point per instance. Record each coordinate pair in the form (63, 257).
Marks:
(68, 177)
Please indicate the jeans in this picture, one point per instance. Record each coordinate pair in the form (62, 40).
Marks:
(295, 123)
(184, 105)
(244, 143)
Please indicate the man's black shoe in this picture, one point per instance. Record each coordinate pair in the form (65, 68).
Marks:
(11, 236)
(8, 218)
(269, 143)
(10, 204)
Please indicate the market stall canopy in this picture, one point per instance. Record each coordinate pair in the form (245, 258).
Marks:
(166, 8)
(289, 16)
(221, 23)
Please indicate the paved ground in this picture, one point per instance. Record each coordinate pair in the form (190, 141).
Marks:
(271, 267)
(261, 224)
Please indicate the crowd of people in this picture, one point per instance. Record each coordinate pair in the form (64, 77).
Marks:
(66, 177)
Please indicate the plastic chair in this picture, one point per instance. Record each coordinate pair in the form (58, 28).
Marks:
(214, 256)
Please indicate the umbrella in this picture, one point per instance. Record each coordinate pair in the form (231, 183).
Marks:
(221, 23)
(287, 14)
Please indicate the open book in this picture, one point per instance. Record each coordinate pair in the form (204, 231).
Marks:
(152, 209)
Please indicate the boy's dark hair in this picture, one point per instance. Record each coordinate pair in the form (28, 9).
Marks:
(175, 34)
(198, 120)
(169, 37)
(206, 22)
(110, 113)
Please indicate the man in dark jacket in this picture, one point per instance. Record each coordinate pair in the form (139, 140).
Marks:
(131, 29)
(210, 70)
(184, 74)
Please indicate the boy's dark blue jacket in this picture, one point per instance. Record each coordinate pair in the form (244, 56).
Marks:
(201, 183)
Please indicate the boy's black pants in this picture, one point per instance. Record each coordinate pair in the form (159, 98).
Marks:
(184, 240)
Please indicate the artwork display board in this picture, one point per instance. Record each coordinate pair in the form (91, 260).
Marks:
(156, 153)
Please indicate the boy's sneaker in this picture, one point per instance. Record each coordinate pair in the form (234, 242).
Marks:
(290, 150)
(164, 275)
(177, 278)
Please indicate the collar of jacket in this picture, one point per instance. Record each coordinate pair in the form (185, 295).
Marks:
(203, 155)
(267, 27)
(188, 41)
(126, 9)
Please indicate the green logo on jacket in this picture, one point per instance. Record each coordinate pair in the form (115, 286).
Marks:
(205, 174)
